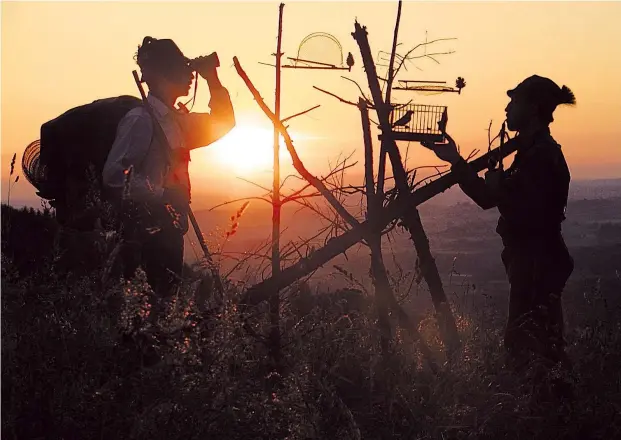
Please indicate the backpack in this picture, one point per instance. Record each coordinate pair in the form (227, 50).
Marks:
(66, 164)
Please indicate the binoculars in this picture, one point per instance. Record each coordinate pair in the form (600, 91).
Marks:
(203, 63)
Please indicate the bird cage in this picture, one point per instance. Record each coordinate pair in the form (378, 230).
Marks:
(320, 50)
(34, 171)
(418, 122)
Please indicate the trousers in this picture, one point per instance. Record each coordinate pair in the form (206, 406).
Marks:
(538, 270)
(153, 239)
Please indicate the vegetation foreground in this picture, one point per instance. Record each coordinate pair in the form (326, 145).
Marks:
(81, 360)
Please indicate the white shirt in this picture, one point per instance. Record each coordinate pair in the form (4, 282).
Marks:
(136, 145)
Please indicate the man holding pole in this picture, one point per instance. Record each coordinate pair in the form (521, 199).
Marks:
(531, 197)
(147, 169)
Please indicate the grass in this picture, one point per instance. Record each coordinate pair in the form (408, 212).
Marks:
(83, 361)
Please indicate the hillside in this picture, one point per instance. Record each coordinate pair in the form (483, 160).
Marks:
(81, 359)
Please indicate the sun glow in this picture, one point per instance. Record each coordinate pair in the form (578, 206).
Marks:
(247, 148)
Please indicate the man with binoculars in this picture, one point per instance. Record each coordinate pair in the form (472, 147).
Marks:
(152, 177)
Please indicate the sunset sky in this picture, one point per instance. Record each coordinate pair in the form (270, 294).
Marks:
(59, 55)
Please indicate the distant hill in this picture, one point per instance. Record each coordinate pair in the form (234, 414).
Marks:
(591, 201)
(595, 189)
(578, 190)
(450, 214)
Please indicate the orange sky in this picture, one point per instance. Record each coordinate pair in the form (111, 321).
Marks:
(59, 55)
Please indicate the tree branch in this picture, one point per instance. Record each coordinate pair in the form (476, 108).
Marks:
(381, 173)
(391, 74)
(337, 97)
(307, 241)
(302, 196)
(368, 101)
(299, 114)
(297, 163)
(269, 191)
(406, 57)
(290, 176)
(334, 171)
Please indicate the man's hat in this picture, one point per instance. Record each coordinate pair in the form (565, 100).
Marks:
(544, 91)
(160, 54)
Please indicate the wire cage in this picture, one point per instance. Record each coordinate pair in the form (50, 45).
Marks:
(320, 50)
(418, 122)
(34, 171)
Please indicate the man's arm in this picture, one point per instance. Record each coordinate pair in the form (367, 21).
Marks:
(130, 147)
(202, 129)
(532, 198)
(474, 186)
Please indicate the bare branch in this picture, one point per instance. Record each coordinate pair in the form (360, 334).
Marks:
(308, 240)
(396, 107)
(426, 43)
(297, 162)
(472, 154)
(337, 97)
(295, 193)
(391, 227)
(391, 74)
(489, 133)
(429, 55)
(368, 159)
(422, 167)
(353, 190)
(317, 211)
(269, 191)
(403, 59)
(491, 141)
(407, 55)
(261, 247)
(299, 114)
(439, 173)
(361, 92)
(302, 196)
(336, 170)
(292, 176)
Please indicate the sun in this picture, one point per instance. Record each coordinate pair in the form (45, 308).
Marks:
(246, 149)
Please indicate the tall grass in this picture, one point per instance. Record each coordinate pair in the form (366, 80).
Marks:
(80, 362)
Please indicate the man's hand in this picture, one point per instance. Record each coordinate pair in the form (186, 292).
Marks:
(447, 152)
(493, 180)
(206, 66)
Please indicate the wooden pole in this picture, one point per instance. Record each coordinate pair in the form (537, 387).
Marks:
(384, 296)
(381, 174)
(199, 235)
(378, 270)
(276, 208)
(410, 217)
(297, 162)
